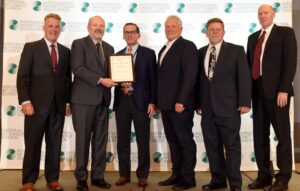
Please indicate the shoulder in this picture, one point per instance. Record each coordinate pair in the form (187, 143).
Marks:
(107, 45)
(63, 47)
(146, 49)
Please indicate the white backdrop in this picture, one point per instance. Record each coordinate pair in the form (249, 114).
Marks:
(23, 23)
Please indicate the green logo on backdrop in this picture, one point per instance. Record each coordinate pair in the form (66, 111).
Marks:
(109, 27)
(109, 157)
(11, 110)
(157, 156)
(252, 27)
(85, 7)
(252, 157)
(276, 7)
(156, 115)
(132, 137)
(63, 25)
(10, 154)
(180, 7)
(157, 27)
(13, 24)
(204, 157)
(37, 5)
(133, 7)
(203, 28)
(275, 139)
(12, 68)
(228, 7)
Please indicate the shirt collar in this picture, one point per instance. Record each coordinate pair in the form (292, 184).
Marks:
(268, 30)
(50, 43)
(217, 46)
(134, 48)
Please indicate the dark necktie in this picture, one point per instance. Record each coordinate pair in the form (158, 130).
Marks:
(257, 54)
(101, 52)
(212, 63)
(53, 58)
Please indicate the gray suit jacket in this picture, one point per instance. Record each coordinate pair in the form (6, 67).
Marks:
(87, 69)
(231, 84)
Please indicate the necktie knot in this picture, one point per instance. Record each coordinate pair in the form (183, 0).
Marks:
(129, 50)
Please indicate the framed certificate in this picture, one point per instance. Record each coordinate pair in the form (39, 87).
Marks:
(121, 68)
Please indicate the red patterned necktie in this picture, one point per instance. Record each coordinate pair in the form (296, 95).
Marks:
(53, 58)
(256, 60)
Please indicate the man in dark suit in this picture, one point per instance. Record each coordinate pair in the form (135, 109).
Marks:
(43, 84)
(177, 74)
(90, 102)
(224, 94)
(135, 102)
(272, 56)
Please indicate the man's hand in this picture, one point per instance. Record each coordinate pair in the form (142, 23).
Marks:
(151, 110)
(179, 107)
(282, 99)
(68, 110)
(107, 82)
(243, 109)
(27, 109)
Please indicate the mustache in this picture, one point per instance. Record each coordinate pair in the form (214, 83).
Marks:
(99, 30)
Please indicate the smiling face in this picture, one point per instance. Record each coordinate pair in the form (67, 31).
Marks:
(266, 16)
(96, 28)
(52, 29)
(131, 35)
(173, 28)
(215, 32)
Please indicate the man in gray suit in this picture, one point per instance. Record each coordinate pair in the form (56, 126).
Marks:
(224, 94)
(91, 98)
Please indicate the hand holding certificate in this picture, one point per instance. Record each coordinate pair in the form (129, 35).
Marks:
(121, 68)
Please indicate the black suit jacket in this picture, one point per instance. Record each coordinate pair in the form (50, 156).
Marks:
(231, 83)
(279, 60)
(88, 68)
(38, 83)
(177, 75)
(145, 79)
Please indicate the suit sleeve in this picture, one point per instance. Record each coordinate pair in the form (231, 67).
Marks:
(24, 73)
(289, 61)
(78, 64)
(189, 64)
(153, 78)
(244, 79)
(68, 79)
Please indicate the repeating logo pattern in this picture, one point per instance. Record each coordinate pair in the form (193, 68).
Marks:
(11, 110)
(180, 7)
(133, 7)
(228, 7)
(13, 24)
(157, 27)
(12, 68)
(85, 7)
(10, 154)
(157, 157)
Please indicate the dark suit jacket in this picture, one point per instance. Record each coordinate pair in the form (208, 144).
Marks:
(87, 68)
(177, 75)
(279, 60)
(38, 83)
(145, 79)
(231, 83)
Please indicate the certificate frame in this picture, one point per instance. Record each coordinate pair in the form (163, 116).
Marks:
(121, 68)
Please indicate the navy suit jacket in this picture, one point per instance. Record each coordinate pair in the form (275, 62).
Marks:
(144, 87)
(177, 75)
(231, 83)
(279, 60)
(36, 82)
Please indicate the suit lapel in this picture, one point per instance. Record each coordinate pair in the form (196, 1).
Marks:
(171, 50)
(270, 38)
(221, 57)
(45, 51)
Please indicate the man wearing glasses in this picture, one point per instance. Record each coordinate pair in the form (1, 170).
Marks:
(135, 101)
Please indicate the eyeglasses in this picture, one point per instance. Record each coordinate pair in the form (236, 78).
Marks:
(130, 32)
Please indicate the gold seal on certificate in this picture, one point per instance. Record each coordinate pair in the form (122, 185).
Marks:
(121, 68)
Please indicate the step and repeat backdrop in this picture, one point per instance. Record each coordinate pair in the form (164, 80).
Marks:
(23, 23)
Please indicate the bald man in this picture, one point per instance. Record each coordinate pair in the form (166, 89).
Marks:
(272, 56)
(91, 98)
